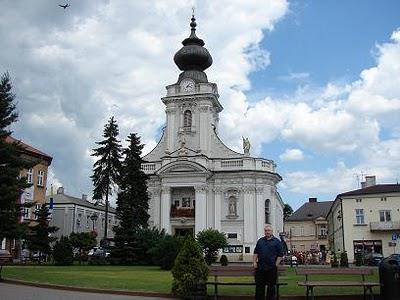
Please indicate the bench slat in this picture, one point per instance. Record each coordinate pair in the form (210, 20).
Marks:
(339, 271)
(336, 283)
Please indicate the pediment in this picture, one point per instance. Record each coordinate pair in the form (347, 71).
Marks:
(182, 167)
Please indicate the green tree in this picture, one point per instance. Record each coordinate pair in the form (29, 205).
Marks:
(107, 168)
(39, 237)
(190, 270)
(62, 252)
(83, 241)
(287, 211)
(166, 251)
(211, 241)
(11, 164)
(334, 260)
(133, 200)
(132, 246)
(344, 260)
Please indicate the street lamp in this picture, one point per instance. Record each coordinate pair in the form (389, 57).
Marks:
(93, 217)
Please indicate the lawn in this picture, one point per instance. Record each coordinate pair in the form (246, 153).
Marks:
(152, 279)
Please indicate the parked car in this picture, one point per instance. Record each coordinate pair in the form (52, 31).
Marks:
(98, 255)
(395, 257)
(5, 256)
(373, 259)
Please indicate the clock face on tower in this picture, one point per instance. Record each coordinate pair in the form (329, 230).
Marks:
(187, 85)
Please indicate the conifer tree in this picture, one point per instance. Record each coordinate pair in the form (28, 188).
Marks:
(39, 237)
(132, 204)
(11, 164)
(107, 168)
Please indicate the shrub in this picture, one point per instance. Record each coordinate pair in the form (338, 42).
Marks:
(211, 240)
(190, 270)
(344, 261)
(223, 260)
(62, 252)
(166, 251)
(334, 260)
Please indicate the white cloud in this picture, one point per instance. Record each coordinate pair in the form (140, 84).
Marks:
(73, 69)
(295, 76)
(292, 154)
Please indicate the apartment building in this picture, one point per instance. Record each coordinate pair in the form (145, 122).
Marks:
(306, 229)
(366, 220)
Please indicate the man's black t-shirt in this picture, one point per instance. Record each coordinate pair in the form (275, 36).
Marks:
(268, 250)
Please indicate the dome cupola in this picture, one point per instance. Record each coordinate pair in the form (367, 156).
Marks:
(193, 58)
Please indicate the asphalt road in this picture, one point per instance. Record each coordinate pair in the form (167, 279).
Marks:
(22, 292)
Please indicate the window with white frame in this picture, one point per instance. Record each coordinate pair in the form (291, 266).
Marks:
(40, 179)
(359, 216)
(322, 230)
(37, 208)
(384, 216)
(185, 202)
(29, 176)
(26, 213)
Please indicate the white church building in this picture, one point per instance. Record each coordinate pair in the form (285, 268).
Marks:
(197, 182)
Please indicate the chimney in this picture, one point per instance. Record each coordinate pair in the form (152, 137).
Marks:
(312, 200)
(370, 180)
(84, 197)
(60, 190)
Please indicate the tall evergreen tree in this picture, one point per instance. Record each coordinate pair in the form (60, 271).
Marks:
(11, 164)
(132, 201)
(287, 211)
(39, 237)
(107, 168)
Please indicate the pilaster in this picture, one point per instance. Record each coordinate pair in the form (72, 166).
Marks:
(248, 214)
(201, 208)
(165, 208)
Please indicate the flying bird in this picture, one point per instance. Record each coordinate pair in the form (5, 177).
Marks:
(64, 6)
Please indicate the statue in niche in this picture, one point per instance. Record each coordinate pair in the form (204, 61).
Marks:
(232, 207)
(246, 145)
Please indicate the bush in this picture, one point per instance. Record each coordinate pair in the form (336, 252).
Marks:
(190, 270)
(344, 261)
(166, 251)
(334, 260)
(133, 248)
(223, 260)
(211, 240)
(62, 252)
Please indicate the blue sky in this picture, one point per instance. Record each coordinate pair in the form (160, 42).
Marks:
(314, 85)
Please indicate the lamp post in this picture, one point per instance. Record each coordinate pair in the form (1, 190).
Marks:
(93, 217)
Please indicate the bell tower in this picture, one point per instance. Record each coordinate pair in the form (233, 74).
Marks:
(192, 105)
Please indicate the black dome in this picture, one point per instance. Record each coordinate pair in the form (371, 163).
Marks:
(193, 56)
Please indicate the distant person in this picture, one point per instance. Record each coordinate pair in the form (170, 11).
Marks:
(268, 254)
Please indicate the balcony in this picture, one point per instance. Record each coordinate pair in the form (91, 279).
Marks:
(322, 236)
(182, 212)
(384, 226)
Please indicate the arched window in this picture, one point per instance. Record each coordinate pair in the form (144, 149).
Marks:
(267, 211)
(187, 118)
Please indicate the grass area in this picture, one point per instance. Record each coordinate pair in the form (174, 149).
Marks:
(152, 279)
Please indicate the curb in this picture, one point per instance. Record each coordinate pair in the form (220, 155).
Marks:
(162, 295)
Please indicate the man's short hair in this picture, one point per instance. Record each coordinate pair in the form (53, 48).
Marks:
(268, 225)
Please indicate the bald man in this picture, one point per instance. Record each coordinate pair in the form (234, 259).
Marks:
(268, 254)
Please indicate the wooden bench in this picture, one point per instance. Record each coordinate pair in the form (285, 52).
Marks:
(237, 271)
(340, 272)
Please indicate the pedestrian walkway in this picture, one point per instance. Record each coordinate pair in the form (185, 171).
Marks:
(21, 292)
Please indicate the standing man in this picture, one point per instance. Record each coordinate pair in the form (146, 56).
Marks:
(268, 254)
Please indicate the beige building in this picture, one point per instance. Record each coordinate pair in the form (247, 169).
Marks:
(366, 220)
(37, 177)
(306, 229)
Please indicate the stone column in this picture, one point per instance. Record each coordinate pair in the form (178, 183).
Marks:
(200, 221)
(248, 214)
(217, 208)
(154, 207)
(260, 211)
(165, 208)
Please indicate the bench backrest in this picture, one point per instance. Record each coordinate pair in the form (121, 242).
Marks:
(233, 271)
(334, 271)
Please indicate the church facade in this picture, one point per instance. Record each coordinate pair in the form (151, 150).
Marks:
(195, 181)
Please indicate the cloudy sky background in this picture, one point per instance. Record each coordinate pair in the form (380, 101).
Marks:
(315, 86)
